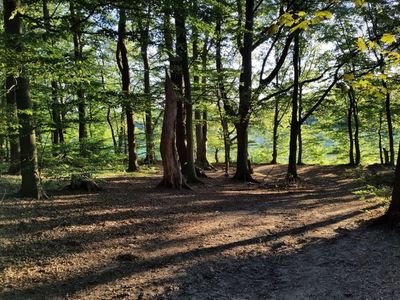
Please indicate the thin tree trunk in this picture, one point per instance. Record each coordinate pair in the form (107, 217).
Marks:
(380, 138)
(202, 155)
(294, 126)
(57, 134)
(390, 126)
(123, 65)
(78, 56)
(222, 96)
(144, 43)
(356, 133)
(350, 130)
(300, 139)
(109, 121)
(275, 133)
(199, 137)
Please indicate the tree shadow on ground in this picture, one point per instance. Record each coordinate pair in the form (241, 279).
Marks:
(358, 264)
(112, 272)
(130, 211)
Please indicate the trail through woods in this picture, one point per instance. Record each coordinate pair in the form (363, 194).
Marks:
(223, 240)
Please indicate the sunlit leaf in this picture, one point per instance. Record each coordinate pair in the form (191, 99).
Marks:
(361, 45)
(388, 38)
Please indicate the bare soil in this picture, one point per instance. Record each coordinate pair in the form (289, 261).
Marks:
(223, 240)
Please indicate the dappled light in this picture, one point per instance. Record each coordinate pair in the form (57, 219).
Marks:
(195, 149)
(155, 244)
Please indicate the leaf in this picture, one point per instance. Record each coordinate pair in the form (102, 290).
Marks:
(359, 2)
(301, 26)
(301, 13)
(361, 45)
(371, 44)
(388, 38)
(382, 77)
(286, 19)
(324, 14)
(348, 77)
(369, 76)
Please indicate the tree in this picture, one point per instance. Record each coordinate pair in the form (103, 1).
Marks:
(123, 66)
(30, 186)
(172, 176)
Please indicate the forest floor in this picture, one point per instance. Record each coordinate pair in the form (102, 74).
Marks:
(223, 240)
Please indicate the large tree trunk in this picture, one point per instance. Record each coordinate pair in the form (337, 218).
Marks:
(123, 65)
(182, 52)
(172, 176)
(392, 216)
(30, 186)
(176, 78)
(245, 96)
(294, 125)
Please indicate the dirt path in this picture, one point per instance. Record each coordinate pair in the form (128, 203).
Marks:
(221, 241)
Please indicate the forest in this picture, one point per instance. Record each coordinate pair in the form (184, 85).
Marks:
(199, 149)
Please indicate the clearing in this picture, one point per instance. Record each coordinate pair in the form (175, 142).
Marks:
(223, 240)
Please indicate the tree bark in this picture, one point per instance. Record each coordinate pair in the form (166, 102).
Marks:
(222, 95)
(380, 138)
(78, 56)
(57, 134)
(350, 131)
(109, 121)
(245, 96)
(294, 125)
(12, 124)
(182, 52)
(144, 44)
(12, 29)
(300, 139)
(392, 216)
(30, 185)
(275, 126)
(390, 126)
(356, 133)
(123, 65)
(202, 155)
(172, 176)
